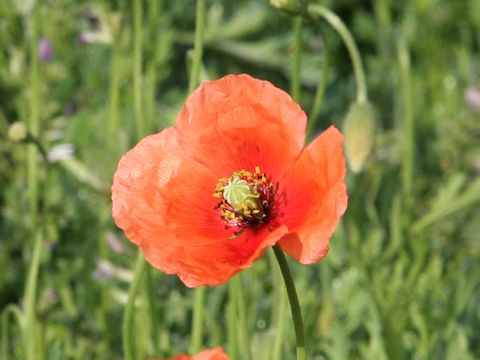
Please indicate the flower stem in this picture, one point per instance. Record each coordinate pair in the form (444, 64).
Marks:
(403, 55)
(137, 68)
(246, 347)
(297, 59)
(33, 168)
(278, 312)
(114, 89)
(196, 337)
(16, 313)
(232, 331)
(337, 24)
(294, 303)
(30, 297)
(198, 46)
(127, 325)
(196, 341)
(322, 85)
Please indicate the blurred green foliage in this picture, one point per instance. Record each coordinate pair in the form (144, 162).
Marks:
(402, 278)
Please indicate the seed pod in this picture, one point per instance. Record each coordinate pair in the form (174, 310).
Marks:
(359, 131)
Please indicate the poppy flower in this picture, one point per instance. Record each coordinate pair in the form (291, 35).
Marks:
(204, 199)
(209, 354)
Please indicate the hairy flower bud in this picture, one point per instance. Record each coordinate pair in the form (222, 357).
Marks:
(359, 131)
(290, 6)
(17, 131)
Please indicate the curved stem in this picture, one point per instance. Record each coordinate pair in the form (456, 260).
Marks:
(198, 46)
(127, 325)
(294, 303)
(297, 59)
(337, 24)
(196, 341)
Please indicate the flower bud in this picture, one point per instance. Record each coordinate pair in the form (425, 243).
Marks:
(290, 6)
(359, 131)
(17, 132)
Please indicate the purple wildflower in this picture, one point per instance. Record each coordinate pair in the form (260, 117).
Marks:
(45, 50)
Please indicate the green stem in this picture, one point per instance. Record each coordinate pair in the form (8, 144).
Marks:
(280, 325)
(30, 297)
(196, 341)
(337, 24)
(196, 337)
(321, 87)
(297, 59)
(407, 115)
(232, 331)
(128, 347)
(30, 325)
(198, 47)
(137, 69)
(294, 303)
(15, 311)
(245, 346)
(113, 102)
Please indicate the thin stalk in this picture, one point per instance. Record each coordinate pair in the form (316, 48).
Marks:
(137, 68)
(407, 115)
(297, 59)
(30, 297)
(337, 24)
(114, 91)
(196, 336)
(33, 169)
(197, 47)
(279, 325)
(127, 326)
(34, 120)
(294, 303)
(196, 341)
(246, 347)
(321, 87)
(151, 72)
(15, 311)
(232, 330)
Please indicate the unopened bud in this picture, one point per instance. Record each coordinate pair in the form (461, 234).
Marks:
(359, 131)
(17, 131)
(290, 6)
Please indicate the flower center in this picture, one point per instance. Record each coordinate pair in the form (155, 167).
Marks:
(246, 199)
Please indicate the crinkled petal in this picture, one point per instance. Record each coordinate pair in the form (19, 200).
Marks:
(239, 122)
(213, 354)
(209, 354)
(163, 200)
(312, 197)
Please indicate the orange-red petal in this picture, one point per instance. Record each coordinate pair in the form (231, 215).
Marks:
(312, 197)
(239, 122)
(209, 354)
(162, 199)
